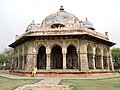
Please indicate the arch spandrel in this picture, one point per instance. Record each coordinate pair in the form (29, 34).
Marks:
(83, 49)
(98, 51)
(105, 52)
(38, 45)
(73, 43)
(89, 48)
(55, 44)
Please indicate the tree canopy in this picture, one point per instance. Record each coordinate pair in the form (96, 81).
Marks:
(116, 57)
(6, 57)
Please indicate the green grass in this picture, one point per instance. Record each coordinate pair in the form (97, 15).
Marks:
(100, 84)
(11, 84)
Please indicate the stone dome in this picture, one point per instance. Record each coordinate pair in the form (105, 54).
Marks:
(88, 24)
(60, 19)
(31, 26)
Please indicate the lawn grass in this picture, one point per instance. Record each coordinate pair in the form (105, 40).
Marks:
(100, 84)
(11, 84)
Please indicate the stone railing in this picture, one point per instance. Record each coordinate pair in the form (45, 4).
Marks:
(63, 31)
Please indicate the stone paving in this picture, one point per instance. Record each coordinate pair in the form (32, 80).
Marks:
(50, 80)
(50, 83)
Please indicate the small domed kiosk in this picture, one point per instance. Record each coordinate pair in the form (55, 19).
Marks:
(88, 25)
(62, 45)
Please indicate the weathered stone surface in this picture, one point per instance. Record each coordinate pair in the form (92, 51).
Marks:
(62, 42)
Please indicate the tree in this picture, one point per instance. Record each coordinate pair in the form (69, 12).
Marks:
(6, 57)
(116, 57)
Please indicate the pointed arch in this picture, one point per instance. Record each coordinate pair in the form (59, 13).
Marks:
(90, 56)
(56, 57)
(72, 57)
(25, 55)
(105, 58)
(20, 58)
(98, 58)
(41, 58)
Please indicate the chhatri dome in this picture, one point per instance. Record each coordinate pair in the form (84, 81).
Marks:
(88, 24)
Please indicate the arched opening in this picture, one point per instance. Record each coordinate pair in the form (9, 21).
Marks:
(16, 63)
(56, 58)
(20, 59)
(105, 64)
(41, 58)
(72, 58)
(98, 58)
(25, 56)
(57, 25)
(90, 57)
(57, 22)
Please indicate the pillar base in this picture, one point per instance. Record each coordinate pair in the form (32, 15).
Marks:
(48, 68)
(64, 67)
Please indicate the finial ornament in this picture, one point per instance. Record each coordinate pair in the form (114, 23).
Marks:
(61, 8)
(32, 21)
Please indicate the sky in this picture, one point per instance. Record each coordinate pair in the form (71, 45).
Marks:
(16, 15)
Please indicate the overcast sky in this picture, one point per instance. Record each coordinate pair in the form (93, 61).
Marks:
(15, 15)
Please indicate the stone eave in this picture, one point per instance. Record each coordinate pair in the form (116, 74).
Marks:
(98, 40)
(82, 36)
(19, 41)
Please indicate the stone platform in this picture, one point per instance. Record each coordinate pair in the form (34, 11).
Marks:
(63, 73)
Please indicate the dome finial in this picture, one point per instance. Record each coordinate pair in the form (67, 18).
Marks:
(61, 8)
(32, 21)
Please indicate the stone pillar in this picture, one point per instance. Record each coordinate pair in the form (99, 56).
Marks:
(23, 64)
(111, 62)
(93, 60)
(64, 51)
(102, 67)
(15, 61)
(28, 64)
(107, 63)
(34, 60)
(18, 59)
(48, 57)
(48, 62)
(79, 64)
(18, 63)
(83, 58)
(30, 59)
(64, 61)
